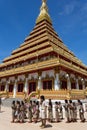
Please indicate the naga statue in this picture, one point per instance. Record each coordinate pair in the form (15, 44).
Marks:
(4, 93)
(32, 94)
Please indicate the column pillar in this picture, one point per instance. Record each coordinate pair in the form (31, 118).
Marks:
(15, 89)
(0, 84)
(57, 79)
(39, 80)
(68, 82)
(83, 84)
(26, 85)
(77, 83)
(6, 86)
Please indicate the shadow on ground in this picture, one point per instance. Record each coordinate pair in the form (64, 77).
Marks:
(48, 126)
(2, 111)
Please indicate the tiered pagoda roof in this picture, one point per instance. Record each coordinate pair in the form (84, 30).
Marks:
(43, 40)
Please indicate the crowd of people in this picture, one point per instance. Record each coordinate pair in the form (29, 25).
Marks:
(35, 111)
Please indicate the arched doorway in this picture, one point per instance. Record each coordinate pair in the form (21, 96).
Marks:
(31, 87)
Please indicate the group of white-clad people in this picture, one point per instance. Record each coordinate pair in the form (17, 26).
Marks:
(43, 110)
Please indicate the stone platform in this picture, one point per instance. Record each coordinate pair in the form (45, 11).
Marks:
(5, 123)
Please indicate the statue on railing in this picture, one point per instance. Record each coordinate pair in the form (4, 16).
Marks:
(5, 93)
(34, 93)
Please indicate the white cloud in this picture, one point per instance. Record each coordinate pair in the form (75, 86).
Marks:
(69, 8)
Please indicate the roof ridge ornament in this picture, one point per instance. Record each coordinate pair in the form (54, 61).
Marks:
(43, 12)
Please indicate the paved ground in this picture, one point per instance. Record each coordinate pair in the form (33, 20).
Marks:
(5, 124)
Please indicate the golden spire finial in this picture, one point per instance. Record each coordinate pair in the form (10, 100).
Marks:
(43, 12)
(44, 8)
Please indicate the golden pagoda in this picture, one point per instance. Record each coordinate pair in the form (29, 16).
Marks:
(43, 62)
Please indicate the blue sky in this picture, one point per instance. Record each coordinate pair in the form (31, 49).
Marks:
(69, 17)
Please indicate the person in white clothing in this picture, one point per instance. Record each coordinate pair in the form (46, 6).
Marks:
(43, 111)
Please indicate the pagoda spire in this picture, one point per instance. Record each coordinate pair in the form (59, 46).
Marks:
(43, 12)
(44, 8)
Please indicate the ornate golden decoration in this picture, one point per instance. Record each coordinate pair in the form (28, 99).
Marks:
(43, 13)
(64, 94)
(37, 92)
(4, 93)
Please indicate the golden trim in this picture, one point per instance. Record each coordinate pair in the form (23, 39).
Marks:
(34, 54)
(31, 67)
(27, 51)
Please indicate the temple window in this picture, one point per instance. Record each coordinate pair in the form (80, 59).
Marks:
(80, 86)
(26, 63)
(15, 66)
(31, 87)
(63, 84)
(47, 85)
(11, 88)
(73, 85)
(20, 87)
(2, 87)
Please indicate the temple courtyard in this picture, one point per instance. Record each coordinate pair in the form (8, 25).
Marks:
(5, 123)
